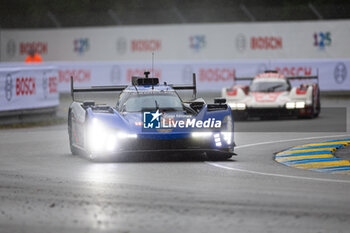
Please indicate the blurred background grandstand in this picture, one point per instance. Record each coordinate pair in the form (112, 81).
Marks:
(81, 13)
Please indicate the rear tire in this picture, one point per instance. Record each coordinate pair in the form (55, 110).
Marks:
(318, 105)
(240, 116)
(315, 108)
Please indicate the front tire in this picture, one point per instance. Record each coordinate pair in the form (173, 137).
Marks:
(212, 156)
(74, 150)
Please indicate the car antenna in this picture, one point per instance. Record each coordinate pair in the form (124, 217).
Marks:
(234, 76)
(136, 89)
(152, 68)
(152, 63)
(157, 105)
(72, 87)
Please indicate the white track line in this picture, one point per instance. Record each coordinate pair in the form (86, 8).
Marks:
(281, 175)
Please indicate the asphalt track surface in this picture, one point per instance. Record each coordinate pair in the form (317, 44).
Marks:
(43, 188)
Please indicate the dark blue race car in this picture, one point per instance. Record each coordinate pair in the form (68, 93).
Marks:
(150, 117)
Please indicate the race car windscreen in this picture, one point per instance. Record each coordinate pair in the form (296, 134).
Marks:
(269, 86)
(136, 102)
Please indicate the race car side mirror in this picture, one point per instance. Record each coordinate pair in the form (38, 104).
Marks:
(219, 101)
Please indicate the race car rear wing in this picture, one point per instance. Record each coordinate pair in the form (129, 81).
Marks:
(187, 86)
(276, 72)
(288, 77)
(135, 80)
(94, 88)
(302, 77)
(243, 79)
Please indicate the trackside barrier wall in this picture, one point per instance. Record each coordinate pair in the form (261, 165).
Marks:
(217, 52)
(211, 75)
(28, 87)
(321, 39)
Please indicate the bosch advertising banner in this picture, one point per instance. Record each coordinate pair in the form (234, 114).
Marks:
(192, 42)
(211, 76)
(25, 87)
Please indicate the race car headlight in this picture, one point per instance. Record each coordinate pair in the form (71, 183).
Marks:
(241, 106)
(97, 135)
(227, 137)
(227, 131)
(233, 105)
(237, 106)
(102, 139)
(217, 140)
(293, 105)
(111, 142)
(228, 122)
(123, 135)
(300, 105)
(201, 134)
(290, 105)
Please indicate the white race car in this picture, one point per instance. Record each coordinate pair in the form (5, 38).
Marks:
(271, 94)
